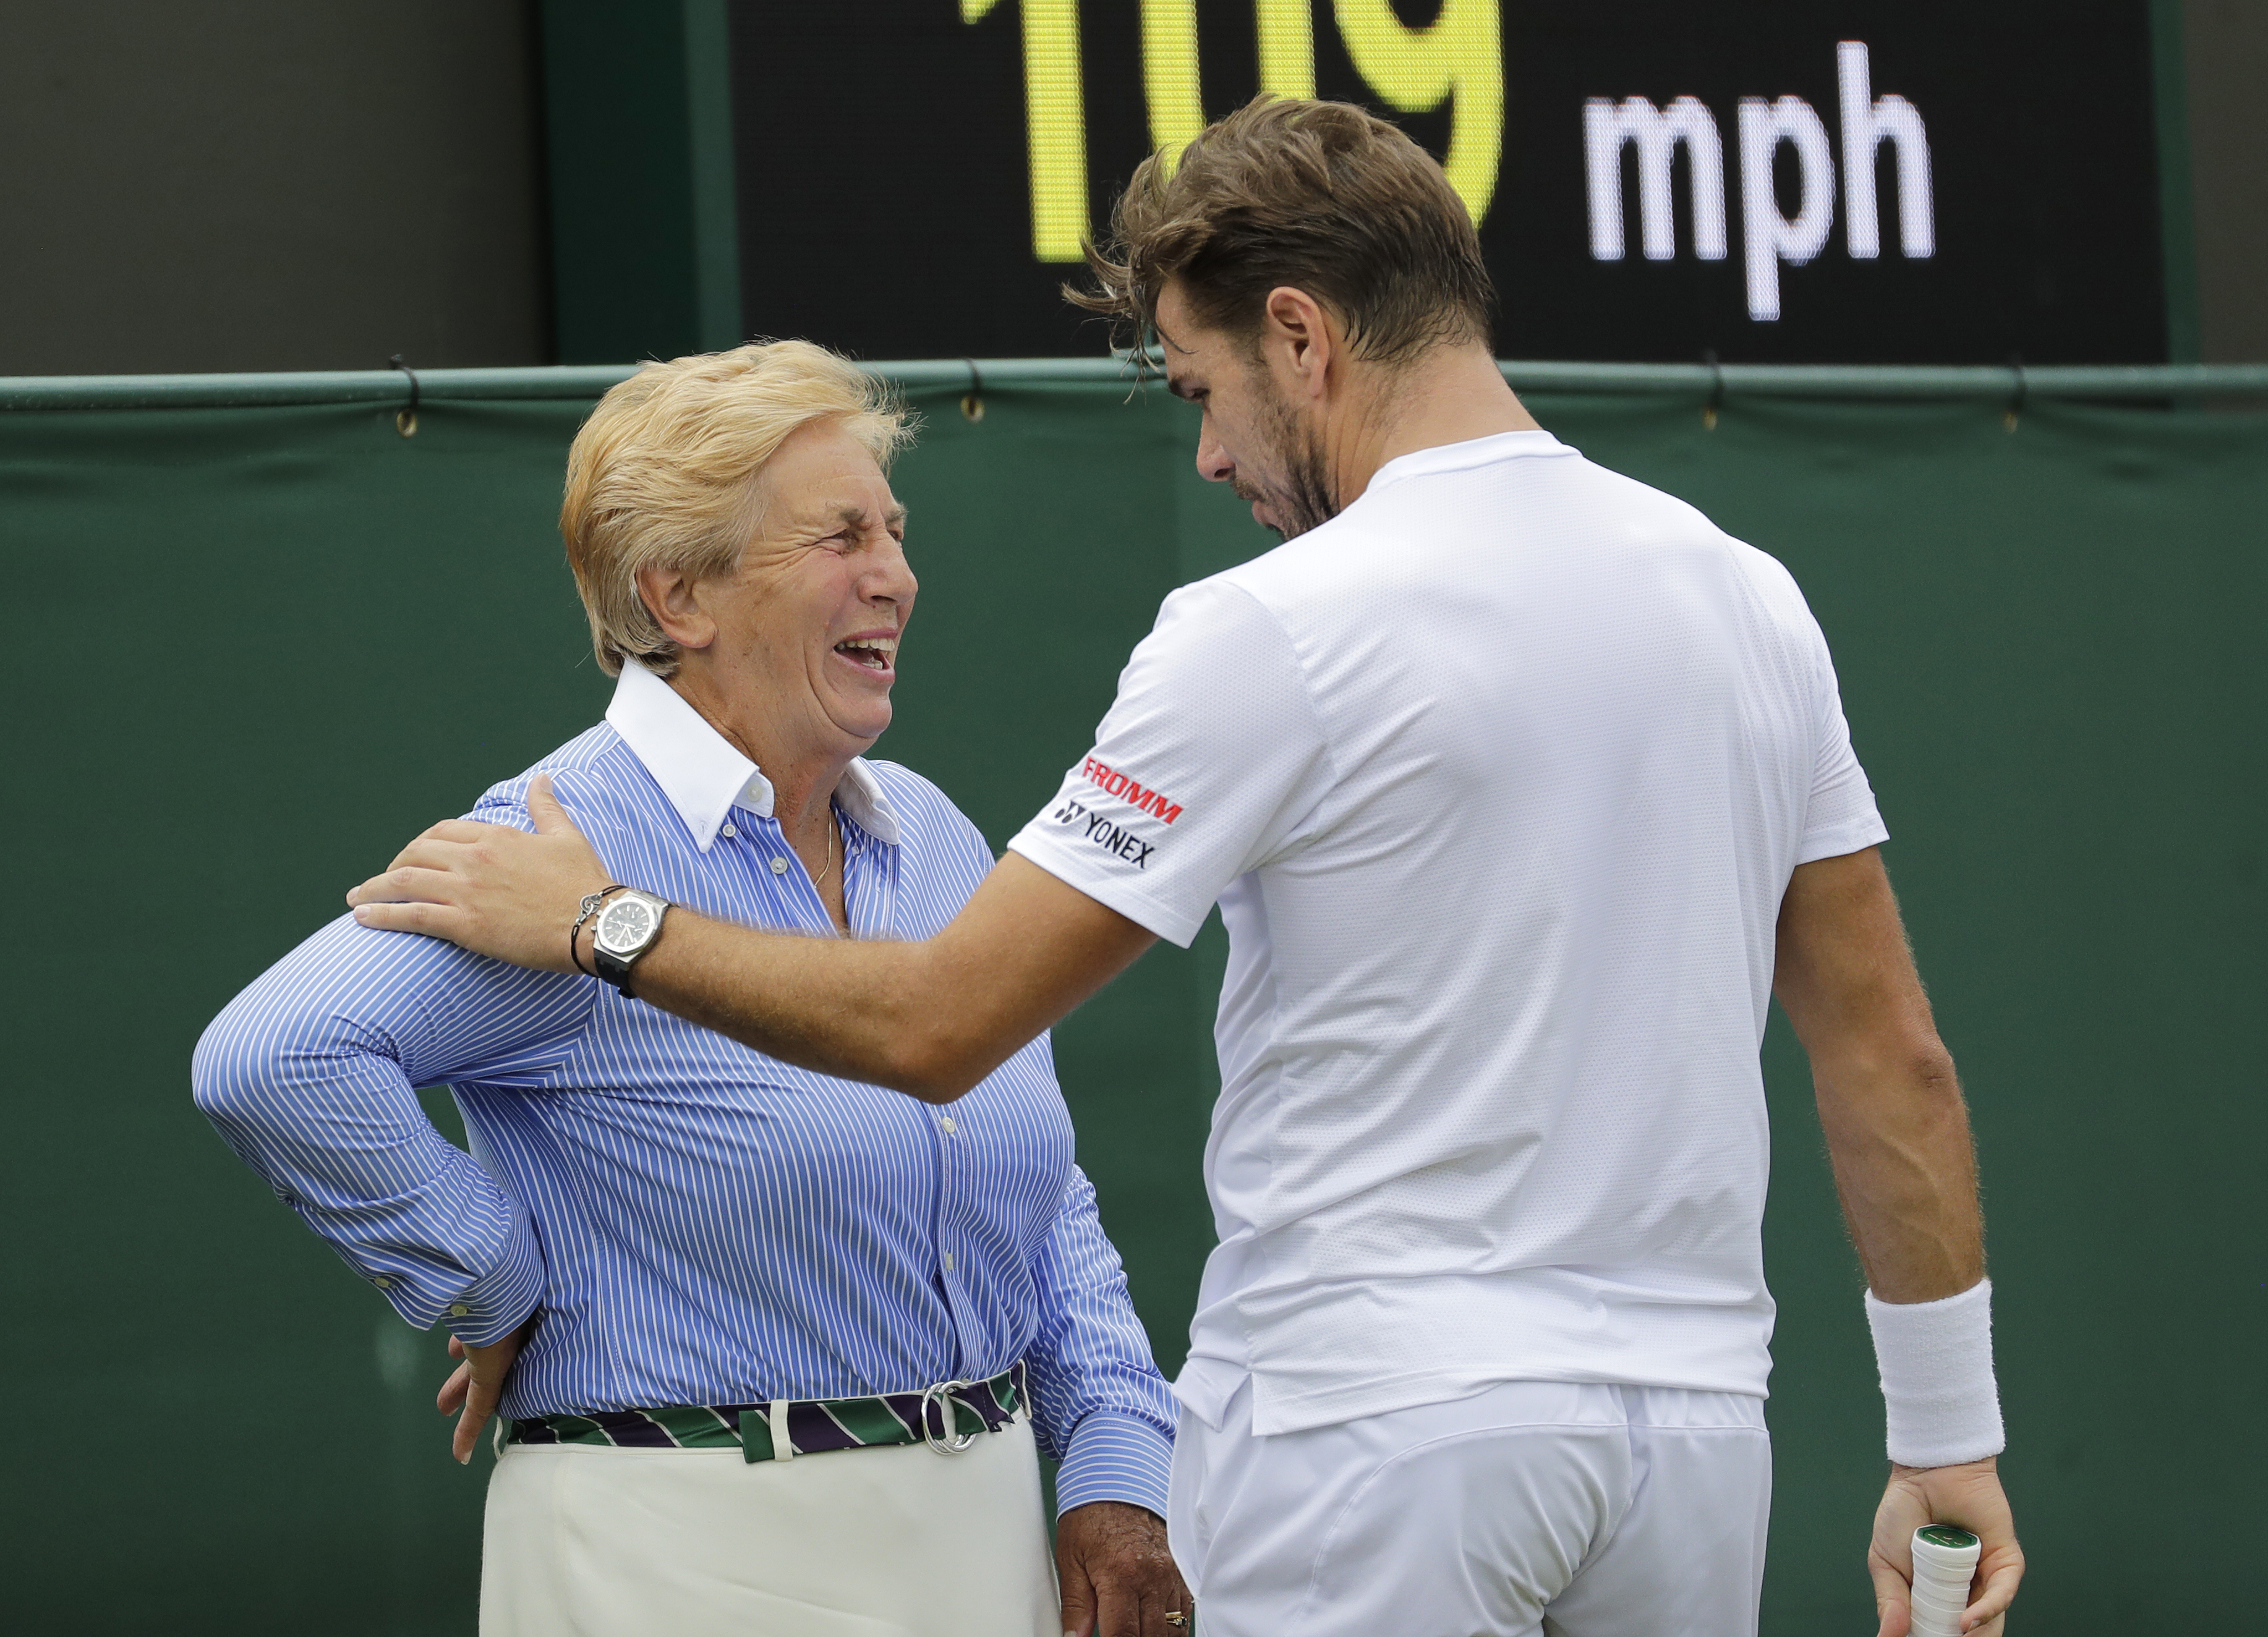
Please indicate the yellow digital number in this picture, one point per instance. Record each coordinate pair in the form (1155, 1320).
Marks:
(1169, 76)
(1458, 57)
(1054, 119)
(1286, 31)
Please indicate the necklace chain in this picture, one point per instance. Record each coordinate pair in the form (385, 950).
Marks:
(830, 852)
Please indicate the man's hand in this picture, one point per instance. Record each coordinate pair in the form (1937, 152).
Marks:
(1969, 1495)
(1118, 1578)
(495, 889)
(471, 1392)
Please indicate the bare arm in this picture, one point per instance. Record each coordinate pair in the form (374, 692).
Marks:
(1897, 1130)
(928, 1019)
(1905, 1169)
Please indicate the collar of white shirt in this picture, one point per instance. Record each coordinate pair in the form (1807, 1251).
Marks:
(705, 777)
(1474, 451)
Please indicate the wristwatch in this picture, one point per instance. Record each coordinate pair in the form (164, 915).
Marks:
(627, 928)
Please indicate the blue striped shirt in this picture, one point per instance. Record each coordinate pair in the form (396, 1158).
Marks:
(698, 1223)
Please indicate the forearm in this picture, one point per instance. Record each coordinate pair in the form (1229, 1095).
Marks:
(1898, 1138)
(468, 1263)
(929, 1018)
(1101, 1404)
(309, 1075)
(344, 1143)
(932, 1018)
(873, 1012)
(1889, 1102)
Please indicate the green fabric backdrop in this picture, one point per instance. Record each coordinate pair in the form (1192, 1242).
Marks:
(259, 646)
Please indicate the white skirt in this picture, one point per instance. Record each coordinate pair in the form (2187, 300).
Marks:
(588, 1541)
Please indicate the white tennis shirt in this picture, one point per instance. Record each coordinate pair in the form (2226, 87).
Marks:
(1497, 778)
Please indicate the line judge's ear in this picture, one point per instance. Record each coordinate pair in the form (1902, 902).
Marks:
(672, 598)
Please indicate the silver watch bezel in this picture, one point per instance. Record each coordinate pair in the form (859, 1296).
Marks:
(613, 961)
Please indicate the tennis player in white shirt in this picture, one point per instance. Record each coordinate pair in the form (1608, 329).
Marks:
(1521, 789)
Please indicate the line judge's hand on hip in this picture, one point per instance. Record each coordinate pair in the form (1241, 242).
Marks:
(493, 890)
(1118, 1579)
(472, 1389)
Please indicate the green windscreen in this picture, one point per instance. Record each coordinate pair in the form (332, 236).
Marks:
(257, 648)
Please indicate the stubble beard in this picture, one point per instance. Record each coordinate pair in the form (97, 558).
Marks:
(1301, 498)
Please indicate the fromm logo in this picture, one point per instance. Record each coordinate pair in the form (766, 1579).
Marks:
(1116, 783)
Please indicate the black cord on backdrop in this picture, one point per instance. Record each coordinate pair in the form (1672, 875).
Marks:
(2011, 413)
(405, 422)
(972, 401)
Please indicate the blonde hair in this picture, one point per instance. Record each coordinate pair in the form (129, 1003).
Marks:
(663, 473)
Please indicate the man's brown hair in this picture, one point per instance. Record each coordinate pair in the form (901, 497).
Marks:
(1322, 196)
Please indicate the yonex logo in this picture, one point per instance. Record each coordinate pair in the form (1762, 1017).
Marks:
(1111, 838)
(1116, 783)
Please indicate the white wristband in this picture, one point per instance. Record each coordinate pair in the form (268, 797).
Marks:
(1936, 1363)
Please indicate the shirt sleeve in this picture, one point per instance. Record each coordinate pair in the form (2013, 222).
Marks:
(1099, 1404)
(1841, 816)
(1210, 763)
(310, 1075)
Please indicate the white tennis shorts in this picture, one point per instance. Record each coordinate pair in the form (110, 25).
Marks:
(586, 1541)
(1574, 1510)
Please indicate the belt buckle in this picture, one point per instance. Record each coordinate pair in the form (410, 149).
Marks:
(954, 1442)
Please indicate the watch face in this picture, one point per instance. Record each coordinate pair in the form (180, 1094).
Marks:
(625, 924)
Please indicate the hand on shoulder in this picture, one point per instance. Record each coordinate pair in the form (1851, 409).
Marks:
(490, 888)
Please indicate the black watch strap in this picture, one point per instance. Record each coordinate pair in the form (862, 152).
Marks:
(614, 969)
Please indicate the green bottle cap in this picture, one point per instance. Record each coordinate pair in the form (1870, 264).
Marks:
(1946, 1535)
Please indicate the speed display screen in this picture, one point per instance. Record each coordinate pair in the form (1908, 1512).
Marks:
(1772, 180)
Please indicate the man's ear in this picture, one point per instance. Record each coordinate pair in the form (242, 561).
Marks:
(1303, 333)
(672, 596)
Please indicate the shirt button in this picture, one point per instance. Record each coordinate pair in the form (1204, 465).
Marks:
(383, 1282)
(779, 866)
(948, 1261)
(728, 830)
(948, 1125)
(459, 1309)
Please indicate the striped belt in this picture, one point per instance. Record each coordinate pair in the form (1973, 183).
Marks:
(948, 1417)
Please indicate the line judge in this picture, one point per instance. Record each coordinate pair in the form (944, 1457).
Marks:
(730, 1307)
(1521, 789)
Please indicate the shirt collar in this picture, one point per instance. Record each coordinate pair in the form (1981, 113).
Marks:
(705, 777)
(1474, 451)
